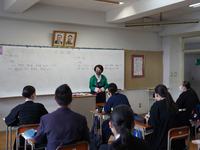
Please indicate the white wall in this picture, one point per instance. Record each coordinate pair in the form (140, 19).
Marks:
(172, 47)
(37, 33)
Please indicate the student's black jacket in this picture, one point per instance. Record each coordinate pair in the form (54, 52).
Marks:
(187, 100)
(26, 113)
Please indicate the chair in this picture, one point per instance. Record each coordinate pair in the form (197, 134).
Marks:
(178, 133)
(100, 104)
(21, 129)
(83, 145)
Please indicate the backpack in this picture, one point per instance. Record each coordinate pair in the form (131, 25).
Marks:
(95, 137)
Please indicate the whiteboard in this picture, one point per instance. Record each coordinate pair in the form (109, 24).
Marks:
(46, 68)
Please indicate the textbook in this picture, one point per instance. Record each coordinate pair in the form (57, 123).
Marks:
(28, 134)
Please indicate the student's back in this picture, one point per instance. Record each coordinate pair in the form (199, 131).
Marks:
(26, 113)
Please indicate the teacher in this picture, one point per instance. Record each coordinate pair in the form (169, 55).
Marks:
(98, 84)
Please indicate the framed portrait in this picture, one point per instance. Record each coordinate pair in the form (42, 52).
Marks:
(58, 38)
(137, 66)
(70, 39)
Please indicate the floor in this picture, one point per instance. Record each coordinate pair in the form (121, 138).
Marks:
(3, 141)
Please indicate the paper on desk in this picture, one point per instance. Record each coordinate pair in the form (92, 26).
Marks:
(28, 134)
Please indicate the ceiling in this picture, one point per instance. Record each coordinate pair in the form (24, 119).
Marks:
(105, 7)
(87, 4)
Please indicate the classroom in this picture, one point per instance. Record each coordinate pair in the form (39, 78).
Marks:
(102, 26)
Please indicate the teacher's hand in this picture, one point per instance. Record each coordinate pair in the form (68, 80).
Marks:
(100, 90)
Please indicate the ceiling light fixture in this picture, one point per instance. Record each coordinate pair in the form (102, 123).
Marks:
(195, 5)
(110, 1)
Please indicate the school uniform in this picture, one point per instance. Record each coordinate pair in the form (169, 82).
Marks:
(96, 83)
(62, 127)
(186, 102)
(163, 121)
(137, 144)
(26, 113)
(112, 102)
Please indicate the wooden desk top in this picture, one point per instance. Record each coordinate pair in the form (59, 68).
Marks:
(96, 112)
(142, 125)
(79, 96)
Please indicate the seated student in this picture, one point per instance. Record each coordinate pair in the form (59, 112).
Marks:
(26, 113)
(121, 123)
(114, 100)
(62, 126)
(187, 100)
(163, 116)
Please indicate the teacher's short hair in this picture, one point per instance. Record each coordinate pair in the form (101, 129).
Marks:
(99, 66)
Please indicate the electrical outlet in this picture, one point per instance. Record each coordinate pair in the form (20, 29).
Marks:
(175, 74)
(140, 105)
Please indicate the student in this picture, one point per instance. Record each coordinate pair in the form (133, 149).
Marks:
(121, 123)
(26, 113)
(187, 100)
(113, 101)
(163, 116)
(115, 98)
(62, 126)
(98, 84)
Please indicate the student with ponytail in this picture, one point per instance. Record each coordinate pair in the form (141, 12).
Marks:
(121, 123)
(26, 113)
(163, 116)
(187, 100)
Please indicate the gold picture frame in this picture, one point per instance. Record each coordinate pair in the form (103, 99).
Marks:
(58, 38)
(70, 39)
(64, 38)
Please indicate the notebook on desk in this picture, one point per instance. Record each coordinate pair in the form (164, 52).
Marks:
(28, 134)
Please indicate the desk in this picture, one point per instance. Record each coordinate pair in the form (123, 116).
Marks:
(100, 116)
(142, 127)
(196, 142)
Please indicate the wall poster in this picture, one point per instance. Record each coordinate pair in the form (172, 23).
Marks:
(137, 66)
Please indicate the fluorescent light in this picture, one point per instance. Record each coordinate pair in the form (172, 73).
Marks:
(195, 5)
(109, 1)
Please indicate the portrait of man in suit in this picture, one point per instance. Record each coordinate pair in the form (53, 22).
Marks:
(59, 39)
(69, 39)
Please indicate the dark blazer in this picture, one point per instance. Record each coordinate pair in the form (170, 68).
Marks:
(114, 101)
(56, 42)
(187, 100)
(137, 144)
(62, 127)
(163, 121)
(26, 113)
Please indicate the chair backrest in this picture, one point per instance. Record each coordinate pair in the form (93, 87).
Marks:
(21, 129)
(83, 145)
(178, 133)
